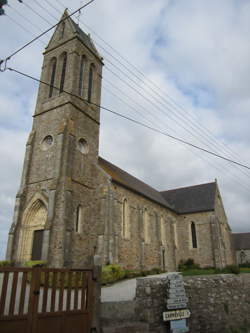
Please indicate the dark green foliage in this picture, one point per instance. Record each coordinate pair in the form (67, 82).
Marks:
(34, 263)
(112, 273)
(246, 265)
(6, 263)
(187, 265)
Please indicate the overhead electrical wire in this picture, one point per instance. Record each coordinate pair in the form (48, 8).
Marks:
(134, 121)
(25, 18)
(22, 27)
(213, 141)
(123, 65)
(145, 82)
(46, 31)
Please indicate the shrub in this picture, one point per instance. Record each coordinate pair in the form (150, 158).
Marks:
(245, 265)
(187, 265)
(233, 269)
(112, 273)
(33, 263)
(6, 263)
(154, 271)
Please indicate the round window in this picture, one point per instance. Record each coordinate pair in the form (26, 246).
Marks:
(47, 142)
(83, 146)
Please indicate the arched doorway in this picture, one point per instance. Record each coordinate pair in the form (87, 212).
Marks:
(31, 237)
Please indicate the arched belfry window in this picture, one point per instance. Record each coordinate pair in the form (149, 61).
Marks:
(90, 85)
(64, 64)
(125, 220)
(52, 76)
(194, 236)
(78, 218)
(81, 75)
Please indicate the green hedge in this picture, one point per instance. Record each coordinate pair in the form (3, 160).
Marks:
(6, 263)
(33, 263)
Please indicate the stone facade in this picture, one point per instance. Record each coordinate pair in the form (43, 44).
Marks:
(83, 204)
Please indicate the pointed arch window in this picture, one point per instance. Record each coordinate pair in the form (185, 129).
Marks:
(81, 76)
(146, 226)
(163, 231)
(52, 77)
(194, 236)
(90, 86)
(125, 220)
(78, 219)
(64, 64)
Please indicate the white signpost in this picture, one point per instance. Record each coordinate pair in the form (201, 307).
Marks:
(176, 304)
(176, 315)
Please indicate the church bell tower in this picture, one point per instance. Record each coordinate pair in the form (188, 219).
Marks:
(52, 220)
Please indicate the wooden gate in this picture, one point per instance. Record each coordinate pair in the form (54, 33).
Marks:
(39, 300)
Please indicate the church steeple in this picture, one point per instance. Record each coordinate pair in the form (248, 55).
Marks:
(72, 64)
(60, 172)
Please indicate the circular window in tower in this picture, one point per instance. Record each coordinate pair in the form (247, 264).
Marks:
(47, 142)
(83, 146)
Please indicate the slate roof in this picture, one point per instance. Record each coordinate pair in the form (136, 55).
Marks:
(123, 178)
(192, 199)
(85, 38)
(241, 241)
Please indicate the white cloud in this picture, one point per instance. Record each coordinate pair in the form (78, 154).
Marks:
(196, 52)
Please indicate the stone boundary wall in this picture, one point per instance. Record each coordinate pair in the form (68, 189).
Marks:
(218, 303)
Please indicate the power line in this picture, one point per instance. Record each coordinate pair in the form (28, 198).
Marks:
(172, 102)
(25, 18)
(135, 121)
(37, 13)
(116, 66)
(22, 27)
(207, 137)
(46, 31)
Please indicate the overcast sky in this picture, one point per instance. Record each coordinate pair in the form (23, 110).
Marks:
(180, 66)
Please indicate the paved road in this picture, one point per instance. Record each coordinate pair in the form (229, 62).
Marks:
(122, 291)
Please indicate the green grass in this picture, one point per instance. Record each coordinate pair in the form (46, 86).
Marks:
(244, 269)
(200, 271)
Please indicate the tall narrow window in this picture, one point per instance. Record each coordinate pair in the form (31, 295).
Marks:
(64, 63)
(125, 220)
(82, 66)
(163, 231)
(90, 87)
(146, 226)
(78, 218)
(194, 238)
(52, 78)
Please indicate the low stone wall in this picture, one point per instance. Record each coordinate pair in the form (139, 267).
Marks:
(218, 303)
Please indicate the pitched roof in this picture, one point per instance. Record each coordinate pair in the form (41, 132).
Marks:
(84, 37)
(192, 199)
(123, 178)
(241, 241)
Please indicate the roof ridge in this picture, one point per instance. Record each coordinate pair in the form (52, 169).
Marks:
(122, 182)
(183, 187)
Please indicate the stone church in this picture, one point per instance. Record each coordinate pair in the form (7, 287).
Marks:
(73, 204)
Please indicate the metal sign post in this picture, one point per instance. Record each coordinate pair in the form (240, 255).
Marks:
(177, 312)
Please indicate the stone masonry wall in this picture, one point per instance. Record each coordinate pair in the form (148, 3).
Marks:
(218, 303)
(135, 251)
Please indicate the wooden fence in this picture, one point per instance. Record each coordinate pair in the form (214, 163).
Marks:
(39, 300)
